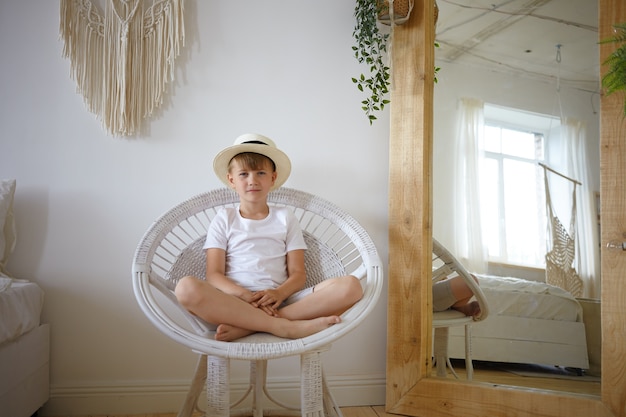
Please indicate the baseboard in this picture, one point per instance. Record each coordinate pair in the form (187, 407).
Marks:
(167, 396)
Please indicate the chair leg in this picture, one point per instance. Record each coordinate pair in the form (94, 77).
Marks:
(258, 378)
(441, 350)
(316, 399)
(217, 387)
(257, 390)
(191, 401)
(331, 408)
(469, 366)
(312, 397)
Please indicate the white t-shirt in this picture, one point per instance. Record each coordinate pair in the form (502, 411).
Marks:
(256, 250)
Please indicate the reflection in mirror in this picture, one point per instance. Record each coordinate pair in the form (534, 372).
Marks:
(526, 74)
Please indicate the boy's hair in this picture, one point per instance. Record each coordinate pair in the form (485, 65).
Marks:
(252, 160)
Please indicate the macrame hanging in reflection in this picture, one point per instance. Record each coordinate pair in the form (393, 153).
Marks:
(560, 257)
(122, 60)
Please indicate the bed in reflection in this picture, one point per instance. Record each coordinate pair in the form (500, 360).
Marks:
(530, 322)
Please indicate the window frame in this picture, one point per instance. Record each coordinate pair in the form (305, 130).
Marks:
(527, 122)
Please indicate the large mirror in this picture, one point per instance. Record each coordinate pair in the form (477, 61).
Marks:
(526, 66)
(410, 388)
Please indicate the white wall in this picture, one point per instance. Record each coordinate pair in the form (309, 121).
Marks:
(280, 68)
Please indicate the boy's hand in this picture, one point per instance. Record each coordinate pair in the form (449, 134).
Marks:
(268, 300)
(246, 296)
(269, 310)
(251, 298)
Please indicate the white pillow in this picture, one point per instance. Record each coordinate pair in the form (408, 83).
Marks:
(7, 223)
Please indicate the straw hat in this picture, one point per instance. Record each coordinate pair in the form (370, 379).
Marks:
(253, 142)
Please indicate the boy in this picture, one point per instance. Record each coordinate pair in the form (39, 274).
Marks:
(255, 257)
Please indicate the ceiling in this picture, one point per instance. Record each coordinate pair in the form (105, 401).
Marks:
(551, 40)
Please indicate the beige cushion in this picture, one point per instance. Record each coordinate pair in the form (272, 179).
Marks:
(7, 224)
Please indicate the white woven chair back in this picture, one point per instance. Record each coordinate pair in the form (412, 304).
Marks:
(319, 260)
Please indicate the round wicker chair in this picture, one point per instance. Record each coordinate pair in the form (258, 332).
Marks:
(444, 264)
(172, 248)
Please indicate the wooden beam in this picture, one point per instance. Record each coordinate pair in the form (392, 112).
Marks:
(613, 217)
(410, 199)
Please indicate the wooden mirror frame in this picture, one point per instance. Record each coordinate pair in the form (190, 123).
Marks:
(410, 389)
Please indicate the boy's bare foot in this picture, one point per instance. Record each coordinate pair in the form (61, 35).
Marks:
(302, 328)
(469, 309)
(228, 333)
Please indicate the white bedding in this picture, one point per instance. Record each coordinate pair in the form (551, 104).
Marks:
(528, 322)
(20, 309)
(521, 298)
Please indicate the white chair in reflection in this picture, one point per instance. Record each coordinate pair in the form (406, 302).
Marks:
(445, 264)
(172, 248)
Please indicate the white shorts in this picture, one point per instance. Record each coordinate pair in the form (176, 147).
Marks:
(297, 296)
(443, 298)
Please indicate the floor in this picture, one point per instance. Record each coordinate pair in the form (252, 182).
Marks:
(548, 378)
(532, 376)
(367, 411)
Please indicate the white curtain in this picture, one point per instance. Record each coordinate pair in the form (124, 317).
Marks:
(574, 138)
(468, 242)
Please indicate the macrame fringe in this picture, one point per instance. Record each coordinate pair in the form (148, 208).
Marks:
(122, 61)
(560, 271)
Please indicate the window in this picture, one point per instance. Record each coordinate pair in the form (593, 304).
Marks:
(512, 188)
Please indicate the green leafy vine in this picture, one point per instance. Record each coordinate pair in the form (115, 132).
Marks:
(370, 48)
(615, 79)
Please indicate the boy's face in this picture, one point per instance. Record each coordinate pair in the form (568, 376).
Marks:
(252, 184)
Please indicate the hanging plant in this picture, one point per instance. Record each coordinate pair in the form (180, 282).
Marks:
(371, 48)
(615, 79)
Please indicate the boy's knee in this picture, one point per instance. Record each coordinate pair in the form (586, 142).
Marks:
(355, 290)
(185, 289)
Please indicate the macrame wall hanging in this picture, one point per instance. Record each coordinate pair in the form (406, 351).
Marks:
(560, 271)
(123, 58)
